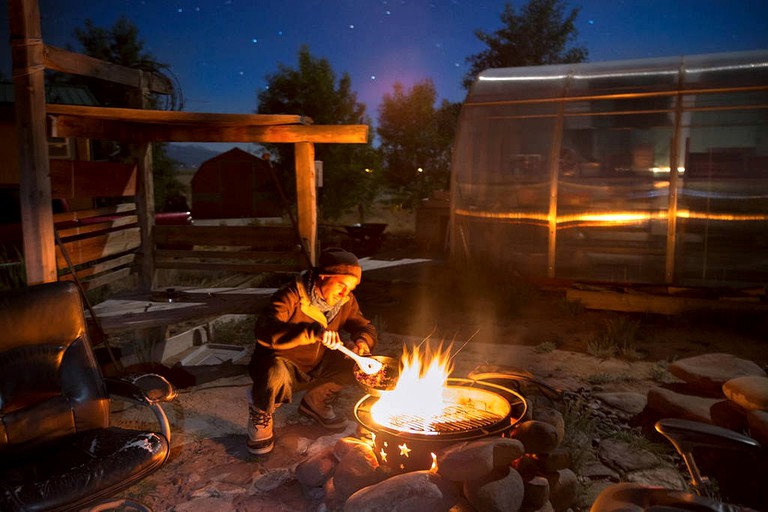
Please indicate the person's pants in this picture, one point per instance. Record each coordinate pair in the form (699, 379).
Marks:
(276, 378)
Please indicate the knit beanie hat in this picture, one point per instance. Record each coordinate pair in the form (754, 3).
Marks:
(336, 261)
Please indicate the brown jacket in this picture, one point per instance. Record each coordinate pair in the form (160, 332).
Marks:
(290, 318)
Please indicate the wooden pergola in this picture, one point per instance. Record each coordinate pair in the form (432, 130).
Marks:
(36, 121)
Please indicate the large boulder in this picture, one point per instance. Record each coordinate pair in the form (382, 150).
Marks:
(749, 392)
(705, 374)
(415, 491)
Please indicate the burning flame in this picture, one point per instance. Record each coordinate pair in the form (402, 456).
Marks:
(420, 388)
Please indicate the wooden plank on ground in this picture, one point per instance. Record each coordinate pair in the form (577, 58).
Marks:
(658, 304)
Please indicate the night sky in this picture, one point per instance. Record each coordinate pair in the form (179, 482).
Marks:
(221, 50)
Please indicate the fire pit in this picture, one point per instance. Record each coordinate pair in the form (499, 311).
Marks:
(452, 410)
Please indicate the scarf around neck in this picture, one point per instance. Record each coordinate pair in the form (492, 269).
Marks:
(316, 299)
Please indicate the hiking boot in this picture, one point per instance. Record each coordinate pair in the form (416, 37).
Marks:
(318, 405)
(260, 437)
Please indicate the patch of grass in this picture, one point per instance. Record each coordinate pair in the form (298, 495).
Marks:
(659, 372)
(570, 308)
(618, 337)
(545, 348)
(606, 378)
(236, 331)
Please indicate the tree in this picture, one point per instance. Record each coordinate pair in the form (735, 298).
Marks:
(416, 141)
(121, 45)
(312, 90)
(540, 34)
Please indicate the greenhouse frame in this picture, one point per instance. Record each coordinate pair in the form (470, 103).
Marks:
(650, 171)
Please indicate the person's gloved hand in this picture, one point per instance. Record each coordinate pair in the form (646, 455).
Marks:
(361, 348)
(331, 339)
(315, 333)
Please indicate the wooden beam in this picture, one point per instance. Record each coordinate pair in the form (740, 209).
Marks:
(138, 132)
(78, 64)
(306, 198)
(35, 183)
(174, 117)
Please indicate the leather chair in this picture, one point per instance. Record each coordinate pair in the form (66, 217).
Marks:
(57, 449)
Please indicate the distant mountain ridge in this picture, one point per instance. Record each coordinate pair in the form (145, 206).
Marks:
(190, 156)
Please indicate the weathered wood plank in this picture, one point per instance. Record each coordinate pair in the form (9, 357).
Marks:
(138, 132)
(247, 236)
(658, 304)
(84, 179)
(107, 225)
(102, 280)
(167, 255)
(174, 117)
(35, 184)
(230, 267)
(102, 266)
(118, 209)
(90, 249)
(306, 199)
(78, 64)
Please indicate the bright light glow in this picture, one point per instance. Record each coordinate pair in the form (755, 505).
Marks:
(420, 389)
(419, 170)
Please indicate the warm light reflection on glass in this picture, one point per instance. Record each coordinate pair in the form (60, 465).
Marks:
(433, 468)
(613, 218)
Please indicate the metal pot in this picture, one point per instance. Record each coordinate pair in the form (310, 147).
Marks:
(384, 380)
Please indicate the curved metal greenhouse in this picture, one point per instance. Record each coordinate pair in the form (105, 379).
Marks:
(644, 171)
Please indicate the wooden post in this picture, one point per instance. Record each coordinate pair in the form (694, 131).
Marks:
(35, 183)
(306, 198)
(145, 198)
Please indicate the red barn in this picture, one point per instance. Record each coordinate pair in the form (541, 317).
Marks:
(235, 185)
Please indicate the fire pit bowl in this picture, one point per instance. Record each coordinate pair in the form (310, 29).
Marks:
(383, 380)
(474, 410)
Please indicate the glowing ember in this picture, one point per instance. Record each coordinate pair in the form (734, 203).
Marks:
(420, 389)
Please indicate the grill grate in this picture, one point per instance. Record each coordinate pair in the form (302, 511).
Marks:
(454, 418)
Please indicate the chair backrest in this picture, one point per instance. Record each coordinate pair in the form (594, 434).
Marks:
(50, 382)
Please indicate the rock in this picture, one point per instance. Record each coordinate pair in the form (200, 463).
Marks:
(597, 470)
(630, 403)
(563, 488)
(560, 458)
(536, 436)
(625, 457)
(271, 480)
(668, 478)
(315, 470)
(708, 372)
(357, 469)
(536, 493)
(474, 460)
(554, 418)
(758, 426)
(728, 414)
(665, 403)
(750, 392)
(345, 444)
(205, 505)
(500, 491)
(527, 466)
(415, 491)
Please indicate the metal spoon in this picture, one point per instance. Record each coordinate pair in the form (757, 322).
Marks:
(368, 364)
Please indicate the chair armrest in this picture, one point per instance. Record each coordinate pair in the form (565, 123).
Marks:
(692, 434)
(686, 435)
(147, 389)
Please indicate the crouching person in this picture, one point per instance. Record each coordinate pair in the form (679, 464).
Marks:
(295, 340)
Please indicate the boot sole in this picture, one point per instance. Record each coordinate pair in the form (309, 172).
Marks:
(305, 410)
(261, 447)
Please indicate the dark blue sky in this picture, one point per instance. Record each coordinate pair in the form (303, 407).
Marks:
(221, 50)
